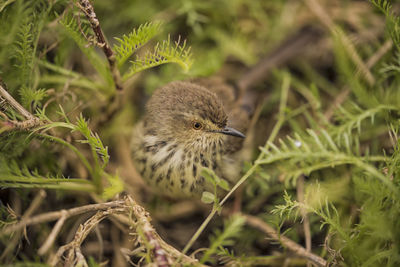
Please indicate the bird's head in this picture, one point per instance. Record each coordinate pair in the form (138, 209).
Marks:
(187, 113)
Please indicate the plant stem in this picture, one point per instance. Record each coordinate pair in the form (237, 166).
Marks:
(88, 9)
(200, 230)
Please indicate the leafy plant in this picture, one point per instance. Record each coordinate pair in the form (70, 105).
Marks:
(331, 118)
(219, 239)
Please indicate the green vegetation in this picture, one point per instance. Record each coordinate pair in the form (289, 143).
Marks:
(325, 166)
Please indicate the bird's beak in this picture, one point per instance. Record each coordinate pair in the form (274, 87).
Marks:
(231, 131)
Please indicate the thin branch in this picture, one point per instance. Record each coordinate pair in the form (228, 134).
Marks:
(14, 103)
(379, 54)
(32, 208)
(52, 236)
(31, 121)
(285, 242)
(303, 211)
(118, 209)
(83, 231)
(55, 215)
(88, 9)
(143, 221)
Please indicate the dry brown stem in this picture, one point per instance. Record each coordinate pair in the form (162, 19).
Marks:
(159, 246)
(126, 211)
(53, 234)
(73, 248)
(88, 9)
(285, 242)
(31, 121)
(143, 221)
(32, 208)
(55, 215)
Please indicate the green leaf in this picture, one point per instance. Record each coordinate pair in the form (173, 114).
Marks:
(210, 176)
(30, 97)
(93, 140)
(5, 3)
(163, 53)
(232, 228)
(14, 175)
(392, 20)
(24, 52)
(116, 186)
(129, 44)
(224, 185)
(207, 197)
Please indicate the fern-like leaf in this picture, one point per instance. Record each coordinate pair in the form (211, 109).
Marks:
(24, 52)
(32, 97)
(128, 44)
(392, 21)
(163, 53)
(315, 151)
(351, 118)
(16, 176)
(325, 210)
(232, 228)
(93, 140)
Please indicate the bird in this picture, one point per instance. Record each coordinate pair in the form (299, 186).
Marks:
(200, 123)
(188, 126)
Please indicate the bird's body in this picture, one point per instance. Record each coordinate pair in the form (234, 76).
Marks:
(187, 127)
(168, 149)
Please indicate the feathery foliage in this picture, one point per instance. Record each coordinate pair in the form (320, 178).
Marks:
(99, 151)
(14, 176)
(163, 53)
(300, 155)
(392, 20)
(219, 239)
(129, 44)
(24, 51)
(331, 118)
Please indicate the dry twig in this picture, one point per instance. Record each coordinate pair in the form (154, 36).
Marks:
(88, 9)
(285, 242)
(143, 221)
(52, 236)
(162, 252)
(73, 247)
(55, 215)
(32, 208)
(30, 122)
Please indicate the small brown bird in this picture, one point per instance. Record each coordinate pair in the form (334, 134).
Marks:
(189, 126)
(192, 125)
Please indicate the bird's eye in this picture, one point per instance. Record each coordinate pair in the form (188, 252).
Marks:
(197, 125)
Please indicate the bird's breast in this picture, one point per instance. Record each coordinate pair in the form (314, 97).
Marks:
(175, 169)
